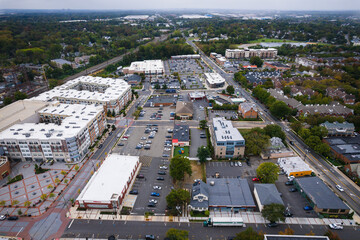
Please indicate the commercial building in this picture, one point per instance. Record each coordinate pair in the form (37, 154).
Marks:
(5, 169)
(65, 133)
(147, 67)
(294, 166)
(184, 110)
(19, 112)
(278, 66)
(276, 149)
(189, 56)
(197, 95)
(222, 194)
(248, 110)
(214, 80)
(339, 129)
(265, 194)
(112, 94)
(293, 237)
(227, 140)
(347, 149)
(109, 185)
(320, 196)
(248, 53)
(181, 135)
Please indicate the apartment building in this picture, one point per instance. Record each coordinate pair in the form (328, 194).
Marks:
(112, 94)
(227, 140)
(65, 133)
(248, 53)
(147, 67)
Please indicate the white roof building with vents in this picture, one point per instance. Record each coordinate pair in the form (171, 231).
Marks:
(294, 166)
(147, 67)
(108, 186)
(214, 80)
(224, 131)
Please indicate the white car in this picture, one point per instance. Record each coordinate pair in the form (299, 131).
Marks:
(167, 149)
(124, 139)
(336, 226)
(164, 167)
(240, 164)
(290, 178)
(153, 201)
(2, 217)
(157, 187)
(339, 188)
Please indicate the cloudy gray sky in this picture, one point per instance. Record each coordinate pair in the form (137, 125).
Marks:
(164, 4)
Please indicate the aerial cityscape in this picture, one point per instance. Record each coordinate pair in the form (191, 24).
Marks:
(183, 120)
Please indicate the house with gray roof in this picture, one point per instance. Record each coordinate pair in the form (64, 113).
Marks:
(339, 129)
(266, 194)
(320, 196)
(181, 135)
(276, 149)
(222, 194)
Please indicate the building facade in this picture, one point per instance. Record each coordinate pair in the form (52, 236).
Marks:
(147, 67)
(248, 53)
(227, 140)
(64, 134)
(5, 169)
(214, 80)
(339, 129)
(248, 110)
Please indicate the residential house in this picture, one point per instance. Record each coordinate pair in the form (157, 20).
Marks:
(339, 129)
(248, 110)
(266, 194)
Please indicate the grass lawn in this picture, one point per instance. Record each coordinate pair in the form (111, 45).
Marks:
(268, 40)
(186, 151)
(243, 130)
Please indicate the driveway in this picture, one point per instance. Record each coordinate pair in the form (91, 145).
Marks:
(196, 141)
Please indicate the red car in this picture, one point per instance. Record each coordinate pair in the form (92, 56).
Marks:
(255, 179)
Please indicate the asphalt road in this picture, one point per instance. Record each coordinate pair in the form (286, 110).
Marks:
(351, 194)
(138, 230)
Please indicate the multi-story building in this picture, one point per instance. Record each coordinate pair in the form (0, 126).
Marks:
(248, 110)
(214, 80)
(147, 67)
(227, 140)
(112, 94)
(248, 53)
(339, 129)
(65, 133)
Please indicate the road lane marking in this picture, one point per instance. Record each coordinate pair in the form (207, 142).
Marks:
(71, 223)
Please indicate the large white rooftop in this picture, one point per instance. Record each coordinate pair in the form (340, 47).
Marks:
(76, 118)
(108, 182)
(112, 89)
(147, 66)
(293, 164)
(214, 78)
(224, 131)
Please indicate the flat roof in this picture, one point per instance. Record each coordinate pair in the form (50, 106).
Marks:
(108, 182)
(293, 164)
(181, 133)
(293, 237)
(147, 66)
(224, 131)
(19, 111)
(76, 118)
(319, 193)
(112, 89)
(214, 78)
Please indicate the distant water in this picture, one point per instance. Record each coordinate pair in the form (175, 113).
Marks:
(279, 44)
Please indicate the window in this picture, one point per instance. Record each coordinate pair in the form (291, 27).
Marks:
(333, 210)
(342, 210)
(325, 210)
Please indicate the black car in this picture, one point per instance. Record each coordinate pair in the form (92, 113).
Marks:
(272, 224)
(293, 190)
(151, 205)
(160, 178)
(289, 183)
(120, 144)
(162, 173)
(134, 192)
(100, 146)
(110, 133)
(149, 237)
(202, 135)
(140, 176)
(288, 214)
(168, 136)
(13, 218)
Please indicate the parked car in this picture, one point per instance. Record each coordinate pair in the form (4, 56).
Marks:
(120, 144)
(160, 178)
(168, 136)
(231, 164)
(148, 142)
(202, 135)
(150, 204)
(13, 218)
(100, 146)
(155, 194)
(161, 173)
(140, 176)
(147, 147)
(2, 217)
(157, 187)
(255, 179)
(293, 189)
(164, 167)
(289, 183)
(149, 237)
(138, 146)
(165, 155)
(134, 192)
(336, 226)
(153, 201)
(288, 214)
(272, 224)
(308, 208)
(235, 164)
(339, 188)
(143, 138)
(240, 164)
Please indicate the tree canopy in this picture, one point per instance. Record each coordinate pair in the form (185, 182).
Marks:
(177, 234)
(203, 153)
(273, 212)
(256, 141)
(249, 234)
(179, 166)
(268, 172)
(274, 130)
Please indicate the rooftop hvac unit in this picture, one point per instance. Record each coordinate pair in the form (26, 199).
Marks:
(212, 183)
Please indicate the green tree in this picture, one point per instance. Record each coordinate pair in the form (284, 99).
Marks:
(19, 95)
(280, 109)
(256, 141)
(27, 204)
(312, 141)
(157, 86)
(53, 83)
(332, 235)
(256, 61)
(164, 86)
(179, 165)
(287, 231)
(273, 212)
(322, 149)
(274, 130)
(76, 167)
(203, 153)
(287, 90)
(177, 234)
(296, 126)
(321, 132)
(2, 203)
(43, 197)
(249, 234)
(203, 124)
(7, 100)
(51, 195)
(230, 90)
(304, 133)
(177, 197)
(267, 172)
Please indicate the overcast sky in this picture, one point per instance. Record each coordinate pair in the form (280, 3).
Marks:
(188, 4)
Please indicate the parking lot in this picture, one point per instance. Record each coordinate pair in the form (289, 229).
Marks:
(150, 113)
(228, 114)
(187, 66)
(136, 136)
(145, 187)
(196, 141)
(192, 82)
(293, 200)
